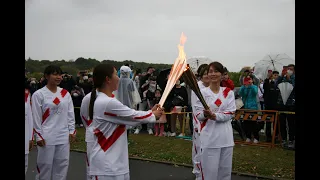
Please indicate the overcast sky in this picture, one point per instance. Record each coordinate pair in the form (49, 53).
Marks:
(235, 32)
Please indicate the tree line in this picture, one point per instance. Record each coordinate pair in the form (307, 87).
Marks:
(72, 67)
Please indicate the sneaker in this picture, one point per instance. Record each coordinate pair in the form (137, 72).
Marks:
(136, 131)
(248, 140)
(150, 131)
(255, 141)
(164, 133)
(180, 135)
(168, 134)
(156, 134)
(81, 125)
(173, 134)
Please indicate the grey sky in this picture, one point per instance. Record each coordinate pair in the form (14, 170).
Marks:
(235, 32)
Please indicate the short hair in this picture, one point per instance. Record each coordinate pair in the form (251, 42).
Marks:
(51, 69)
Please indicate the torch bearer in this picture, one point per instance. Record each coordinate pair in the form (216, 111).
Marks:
(190, 80)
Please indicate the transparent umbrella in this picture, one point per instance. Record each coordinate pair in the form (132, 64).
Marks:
(271, 62)
(195, 61)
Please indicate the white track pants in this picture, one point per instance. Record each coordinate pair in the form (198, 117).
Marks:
(26, 163)
(216, 163)
(119, 177)
(196, 154)
(89, 148)
(53, 162)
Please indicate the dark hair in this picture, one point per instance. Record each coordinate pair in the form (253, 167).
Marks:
(217, 66)
(138, 71)
(158, 90)
(201, 67)
(203, 70)
(127, 64)
(100, 73)
(149, 68)
(225, 70)
(51, 69)
(291, 65)
(275, 72)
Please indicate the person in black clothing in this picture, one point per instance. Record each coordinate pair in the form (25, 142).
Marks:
(77, 96)
(179, 97)
(270, 97)
(288, 106)
(86, 85)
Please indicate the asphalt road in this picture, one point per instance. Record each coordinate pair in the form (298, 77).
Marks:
(139, 170)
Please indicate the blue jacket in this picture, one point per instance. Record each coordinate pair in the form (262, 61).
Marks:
(249, 96)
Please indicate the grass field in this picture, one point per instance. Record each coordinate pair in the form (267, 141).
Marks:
(275, 162)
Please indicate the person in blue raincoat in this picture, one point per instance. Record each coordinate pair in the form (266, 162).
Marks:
(248, 92)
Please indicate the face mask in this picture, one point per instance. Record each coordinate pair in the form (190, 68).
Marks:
(75, 94)
(290, 72)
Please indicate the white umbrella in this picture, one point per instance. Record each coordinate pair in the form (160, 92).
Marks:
(285, 90)
(271, 62)
(195, 61)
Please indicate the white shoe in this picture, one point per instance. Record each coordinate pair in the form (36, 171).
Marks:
(173, 134)
(150, 131)
(255, 141)
(136, 131)
(168, 134)
(248, 140)
(164, 133)
(180, 134)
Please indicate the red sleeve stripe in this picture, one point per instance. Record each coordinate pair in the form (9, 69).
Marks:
(195, 119)
(63, 92)
(38, 134)
(228, 113)
(203, 124)
(109, 114)
(143, 117)
(45, 115)
(88, 122)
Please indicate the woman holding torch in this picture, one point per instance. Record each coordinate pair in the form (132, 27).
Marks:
(216, 136)
(202, 83)
(109, 154)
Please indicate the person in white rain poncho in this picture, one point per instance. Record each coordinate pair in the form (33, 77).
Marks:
(109, 155)
(216, 134)
(54, 125)
(127, 92)
(28, 124)
(202, 83)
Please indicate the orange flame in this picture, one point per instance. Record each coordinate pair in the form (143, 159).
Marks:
(177, 69)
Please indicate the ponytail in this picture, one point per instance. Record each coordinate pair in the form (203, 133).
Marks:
(92, 99)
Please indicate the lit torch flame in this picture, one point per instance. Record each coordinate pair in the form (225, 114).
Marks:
(177, 69)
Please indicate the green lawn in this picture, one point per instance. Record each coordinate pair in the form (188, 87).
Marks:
(274, 162)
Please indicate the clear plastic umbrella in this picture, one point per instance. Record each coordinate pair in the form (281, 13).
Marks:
(195, 61)
(271, 62)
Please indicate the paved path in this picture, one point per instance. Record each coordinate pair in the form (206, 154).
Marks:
(139, 170)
